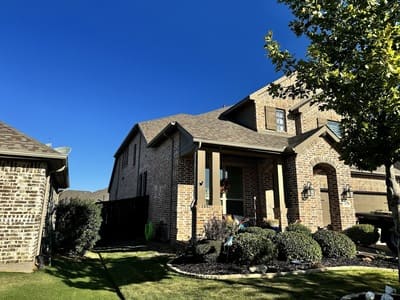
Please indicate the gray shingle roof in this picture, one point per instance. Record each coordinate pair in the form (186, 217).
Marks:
(211, 129)
(151, 128)
(14, 142)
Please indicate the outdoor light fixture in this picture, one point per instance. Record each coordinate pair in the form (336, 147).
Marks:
(308, 191)
(347, 192)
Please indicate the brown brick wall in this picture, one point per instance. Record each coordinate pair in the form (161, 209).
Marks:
(22, 193)
(319, 156)
(312, 117)
(125, 180)
(368, 184)
(265, 100)
(185, 196)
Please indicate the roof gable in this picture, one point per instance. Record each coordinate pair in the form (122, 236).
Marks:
(302, 142)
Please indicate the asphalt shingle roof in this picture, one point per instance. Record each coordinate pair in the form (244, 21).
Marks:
(15, 142)
(210, 128)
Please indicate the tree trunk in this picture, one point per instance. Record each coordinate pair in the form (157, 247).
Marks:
(393, 198)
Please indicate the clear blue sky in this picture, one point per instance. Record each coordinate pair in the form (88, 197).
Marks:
(82, 73)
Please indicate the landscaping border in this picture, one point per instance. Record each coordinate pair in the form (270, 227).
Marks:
(270, 275)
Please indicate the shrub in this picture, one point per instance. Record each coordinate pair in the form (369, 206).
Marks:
(271, 223)
(208, 250)
(264, 232)
(296, 245)
(298, 227)
(219, 229)
(250, 248)
(77, 226)
(335, 244)
(363, 234)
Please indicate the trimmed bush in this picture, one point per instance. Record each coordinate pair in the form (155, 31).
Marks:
(208, 250)
(77, 226)
(363, 234)
(335, 244)
(264, 232)
(298, 227)
(250, 248)
(219, 229)
(295, 245)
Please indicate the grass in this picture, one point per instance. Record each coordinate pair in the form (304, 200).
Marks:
(143, 275)
(66, 279)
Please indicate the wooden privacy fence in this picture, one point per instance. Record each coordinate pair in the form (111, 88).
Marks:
(123, 220)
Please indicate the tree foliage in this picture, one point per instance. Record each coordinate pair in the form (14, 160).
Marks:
(352, 66)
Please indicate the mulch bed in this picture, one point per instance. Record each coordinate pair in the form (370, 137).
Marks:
(186, 265)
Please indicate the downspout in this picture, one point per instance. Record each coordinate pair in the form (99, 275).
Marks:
(44, 209)
(171, 188)
(44, 212)
(193, 205)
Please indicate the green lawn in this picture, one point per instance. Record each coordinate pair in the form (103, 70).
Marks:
(142, 275)
(66, 279)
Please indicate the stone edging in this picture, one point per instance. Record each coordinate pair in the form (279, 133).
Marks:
(270, 275)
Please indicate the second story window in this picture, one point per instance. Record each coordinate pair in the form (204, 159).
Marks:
(124, 158)
(134, 154)
(280, 120)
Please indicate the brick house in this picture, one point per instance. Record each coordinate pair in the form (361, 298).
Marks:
(31, 174)
(262, 157)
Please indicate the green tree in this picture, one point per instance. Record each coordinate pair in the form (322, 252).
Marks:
(351, 65)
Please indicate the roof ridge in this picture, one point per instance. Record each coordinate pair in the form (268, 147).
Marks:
(164, 118)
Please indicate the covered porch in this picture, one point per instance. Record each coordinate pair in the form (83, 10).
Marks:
(241, 183)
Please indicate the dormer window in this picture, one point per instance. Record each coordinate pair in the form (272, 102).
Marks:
(280, 120)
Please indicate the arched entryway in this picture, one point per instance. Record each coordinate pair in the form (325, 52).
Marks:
(326, 192)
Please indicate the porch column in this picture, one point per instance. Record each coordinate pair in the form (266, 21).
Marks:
(280, 197)
(201, 178)
(215, 184)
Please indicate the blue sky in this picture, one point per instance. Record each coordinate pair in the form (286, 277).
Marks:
(82, 73)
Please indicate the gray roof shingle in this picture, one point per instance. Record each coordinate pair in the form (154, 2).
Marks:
(209, 127)
(14, 142)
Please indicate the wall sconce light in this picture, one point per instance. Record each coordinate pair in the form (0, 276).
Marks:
(347, 192)
(308, 191)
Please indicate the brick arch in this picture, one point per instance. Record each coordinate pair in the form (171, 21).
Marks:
(318, 160)
(330, 207)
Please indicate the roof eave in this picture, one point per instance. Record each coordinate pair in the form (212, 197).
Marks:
(57, 163)
(135, 129)
(236, 106)
(242, 146)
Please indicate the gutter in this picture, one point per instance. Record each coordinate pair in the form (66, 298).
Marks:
(46, 201)
(33, 155)
(237, 145)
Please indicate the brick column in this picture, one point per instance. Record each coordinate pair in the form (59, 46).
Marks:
(280, 206)
(215, 180)
(201, 178)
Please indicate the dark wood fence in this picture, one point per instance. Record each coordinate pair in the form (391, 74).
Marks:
(123, 220)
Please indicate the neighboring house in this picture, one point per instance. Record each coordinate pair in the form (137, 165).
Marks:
(100, 195)
(262, 157)
(31, 174)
